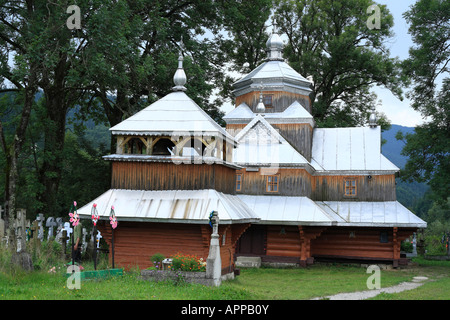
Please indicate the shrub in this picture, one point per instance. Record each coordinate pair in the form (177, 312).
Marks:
(188, 263)
(157, 259)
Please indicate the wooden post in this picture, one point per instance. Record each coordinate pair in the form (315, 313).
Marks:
(396, 246)
(64, 242)
(112, 246)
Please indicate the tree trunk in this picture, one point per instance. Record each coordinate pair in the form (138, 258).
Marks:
(57, 103)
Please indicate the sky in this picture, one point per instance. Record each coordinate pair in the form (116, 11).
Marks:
(398, 112)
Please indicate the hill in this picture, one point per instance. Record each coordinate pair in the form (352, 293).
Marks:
(410, 194)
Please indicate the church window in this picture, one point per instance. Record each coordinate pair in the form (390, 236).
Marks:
(238, 182)
(350, 187)
(272, 183)
(268, 100)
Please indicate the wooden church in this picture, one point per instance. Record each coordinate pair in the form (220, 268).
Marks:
(285, 191)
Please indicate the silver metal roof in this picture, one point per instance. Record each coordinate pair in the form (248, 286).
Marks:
(295, 113)
(170, 159)
(194, 206)
(349, 149)
(176, 206)
(303, 211)
(175, 113)
(273, 75)
(372, 214)
(287, 210)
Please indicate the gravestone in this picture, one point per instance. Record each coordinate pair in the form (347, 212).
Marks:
(83, 241)
(214, 262)
(40, 218)
(50, 224)
(99, 237)
(19, 226)
(69, 231)
(21, 257)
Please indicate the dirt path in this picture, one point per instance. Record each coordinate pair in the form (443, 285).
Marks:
(361, 295)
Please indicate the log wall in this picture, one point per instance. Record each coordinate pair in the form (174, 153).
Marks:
(292, 182)
(359, 243)
(299, 136)
(331, 188)
(136, 242)
(170, 176)
(298, 182)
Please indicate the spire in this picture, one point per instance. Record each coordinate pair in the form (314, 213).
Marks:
(179, 77)
(274, 45)
(373, 118)
(260, 108)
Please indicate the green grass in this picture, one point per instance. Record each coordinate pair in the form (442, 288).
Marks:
(314, 281)
(252, 284)
(438, 288)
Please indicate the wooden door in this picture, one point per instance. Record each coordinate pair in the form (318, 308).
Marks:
(253, 241)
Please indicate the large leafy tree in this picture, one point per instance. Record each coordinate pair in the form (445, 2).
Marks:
(428, 68)
(121, 59)
(331, 42)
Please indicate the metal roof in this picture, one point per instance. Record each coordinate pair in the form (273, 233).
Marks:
(194, 206)
(261, 144)
(371, 214)
(295, 113)
(287, 210)
(349, 149)
(273, 75)
(175, 206)
(303, 211)
(171, 159)
(175, 113)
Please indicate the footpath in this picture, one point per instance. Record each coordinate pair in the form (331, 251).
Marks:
(361, 295)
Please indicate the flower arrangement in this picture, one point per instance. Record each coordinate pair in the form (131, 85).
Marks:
(185, 262)
(94, 213)
(74, 218)
(112, 218)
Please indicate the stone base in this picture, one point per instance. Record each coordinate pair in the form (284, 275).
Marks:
(188, 277)
(22, 259)
(248, 262)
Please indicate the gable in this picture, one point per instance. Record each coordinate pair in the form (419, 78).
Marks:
(261, 144)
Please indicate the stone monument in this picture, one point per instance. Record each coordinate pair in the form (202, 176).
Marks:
(214, 262)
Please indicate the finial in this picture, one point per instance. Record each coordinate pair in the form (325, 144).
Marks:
(179, 77)
(274, 45)
(260, 108)
(373, 118)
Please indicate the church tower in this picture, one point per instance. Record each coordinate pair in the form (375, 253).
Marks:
(278, 93)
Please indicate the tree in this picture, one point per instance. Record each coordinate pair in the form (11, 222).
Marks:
(121, 59)
(330, 41)
(428, 66)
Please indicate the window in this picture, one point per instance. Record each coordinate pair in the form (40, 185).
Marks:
(350, 187)
(272, 183)
(384, 238)
(238, 182)
(267, 100)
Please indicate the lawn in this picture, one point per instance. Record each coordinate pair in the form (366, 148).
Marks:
(252, 284)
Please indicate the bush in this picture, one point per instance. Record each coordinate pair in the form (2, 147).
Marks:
(188, 263)
(157, 259)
